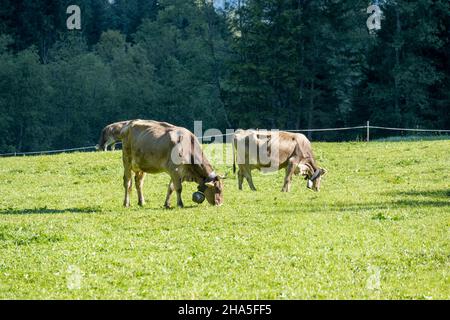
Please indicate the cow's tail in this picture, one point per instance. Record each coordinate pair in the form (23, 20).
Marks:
(233, 145)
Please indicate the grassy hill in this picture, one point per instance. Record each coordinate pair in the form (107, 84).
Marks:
(378, 229)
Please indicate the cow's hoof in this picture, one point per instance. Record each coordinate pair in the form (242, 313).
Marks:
(141, 204)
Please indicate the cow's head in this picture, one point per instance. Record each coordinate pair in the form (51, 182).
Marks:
(313, 177)
(105, 142)
(102, 145)
(212, 188)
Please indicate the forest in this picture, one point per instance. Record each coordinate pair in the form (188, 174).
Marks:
(284, 64)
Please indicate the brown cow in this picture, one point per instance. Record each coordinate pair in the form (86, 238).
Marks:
(270, 151)
(110, 135)
(153, 147)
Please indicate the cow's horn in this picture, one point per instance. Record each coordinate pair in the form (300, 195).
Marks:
(209, 184)
(315, 175)
(223, 176)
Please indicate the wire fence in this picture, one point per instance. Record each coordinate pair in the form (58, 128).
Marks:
(14, 154)
(367, 127)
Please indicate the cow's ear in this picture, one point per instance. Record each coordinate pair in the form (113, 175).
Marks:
(323, 171)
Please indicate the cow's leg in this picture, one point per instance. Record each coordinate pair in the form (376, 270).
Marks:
(139, 180)
(127, 184)
(177, 186)
(170, 190)
(248, 177)
(290, 170)
(113, 147)
(240, 179)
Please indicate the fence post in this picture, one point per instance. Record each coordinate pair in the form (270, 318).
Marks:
(368, 131)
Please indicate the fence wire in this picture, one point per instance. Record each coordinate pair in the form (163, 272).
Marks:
(367, 127)
(409, 129)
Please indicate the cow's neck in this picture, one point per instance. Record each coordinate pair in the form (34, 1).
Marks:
(311, 162)
(200, 169)
(203, 171)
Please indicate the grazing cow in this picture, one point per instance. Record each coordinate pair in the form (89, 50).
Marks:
(270, 151)
(153, 147)
(110, 135)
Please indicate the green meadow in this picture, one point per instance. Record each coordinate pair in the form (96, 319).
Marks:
(379, 229)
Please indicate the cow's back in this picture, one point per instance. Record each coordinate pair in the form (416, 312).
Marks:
(115, 128)
(148, 144)
(285, 144)
(280, 147)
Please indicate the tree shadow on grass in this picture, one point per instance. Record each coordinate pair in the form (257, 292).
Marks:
(45, 210)
(384, 205)
(421, 203)
(443, 193)
(365, 206)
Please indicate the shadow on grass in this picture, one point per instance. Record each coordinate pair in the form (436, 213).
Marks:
(421, 203)
(401, 204)
(444, 193)
(45, 210)
(367, 206)
(172, 208)
(384, 205)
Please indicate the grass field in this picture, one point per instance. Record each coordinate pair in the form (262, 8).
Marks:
(378, 229)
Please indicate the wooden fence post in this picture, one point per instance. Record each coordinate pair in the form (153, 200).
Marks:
(368, 131)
